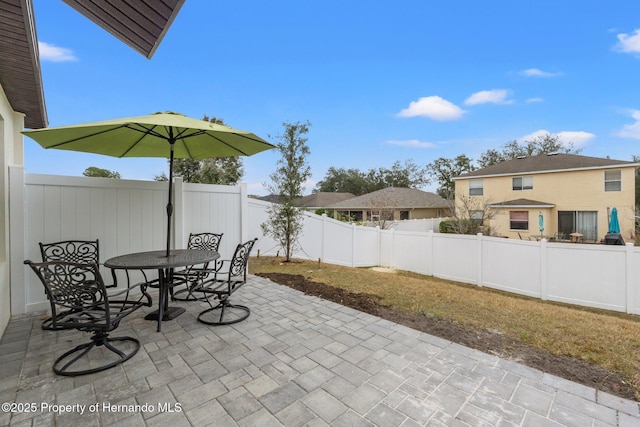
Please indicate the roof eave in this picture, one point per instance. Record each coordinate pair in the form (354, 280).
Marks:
(625, 165)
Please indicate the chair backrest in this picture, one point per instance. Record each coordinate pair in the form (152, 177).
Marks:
(76, 288)
(204, 241)
(241, 258)
(78, 251)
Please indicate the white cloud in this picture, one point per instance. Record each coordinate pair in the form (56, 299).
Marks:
(414, 143)
(578, 138)
(629, 43)
(49, 52)
(631, 130)
(534, 72)
(534, 100)
(494, 96)
(433, 107)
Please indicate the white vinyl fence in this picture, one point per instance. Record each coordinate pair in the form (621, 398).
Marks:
(129, 216)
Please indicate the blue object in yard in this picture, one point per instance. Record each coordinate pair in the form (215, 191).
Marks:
(614, 224)
(541, 222)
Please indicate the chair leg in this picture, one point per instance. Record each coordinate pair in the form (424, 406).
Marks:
(62, 364)
(237, 312)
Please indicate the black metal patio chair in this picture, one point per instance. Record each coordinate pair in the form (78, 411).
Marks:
(193, 275)
(77, 290)
(78, 251)
(223, 284)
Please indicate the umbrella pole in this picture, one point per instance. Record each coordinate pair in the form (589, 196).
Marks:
(169, 204)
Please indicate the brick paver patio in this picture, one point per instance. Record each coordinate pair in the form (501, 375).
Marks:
(297, 360)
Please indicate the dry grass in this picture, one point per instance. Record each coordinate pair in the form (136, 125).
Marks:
(607, 339)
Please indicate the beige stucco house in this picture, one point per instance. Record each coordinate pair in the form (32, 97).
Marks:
(394, 203)
(572, 194)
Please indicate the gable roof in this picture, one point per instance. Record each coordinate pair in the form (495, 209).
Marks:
(141, 24)
(545, 163)
(20, 75)
(395, 197)
(322, 199)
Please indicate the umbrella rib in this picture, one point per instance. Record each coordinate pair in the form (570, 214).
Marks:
(84, 137)
(237, 149)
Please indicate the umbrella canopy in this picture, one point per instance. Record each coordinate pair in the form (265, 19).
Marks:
(169, 135)
(614, 223)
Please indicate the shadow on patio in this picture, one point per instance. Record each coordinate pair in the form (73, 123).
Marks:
(297, 360)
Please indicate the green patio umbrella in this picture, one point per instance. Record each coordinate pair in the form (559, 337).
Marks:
(169, 135)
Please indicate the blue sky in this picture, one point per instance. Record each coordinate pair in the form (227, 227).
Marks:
(379, 81)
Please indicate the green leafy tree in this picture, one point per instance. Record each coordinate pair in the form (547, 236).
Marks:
(285, 220)
(96, 172)
(443, 170)
(218, 170)
(542, 144)
(357, 182)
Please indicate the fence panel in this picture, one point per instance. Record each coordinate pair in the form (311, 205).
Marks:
(455, 257)
(589, 275)
(213, 209)
(367, 244)
(411, 251)
(511, 265)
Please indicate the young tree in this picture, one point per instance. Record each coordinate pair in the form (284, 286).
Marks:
(469, 216)
(284, 221)
(96, 172)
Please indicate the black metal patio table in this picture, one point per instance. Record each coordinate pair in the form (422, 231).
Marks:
(158, 260)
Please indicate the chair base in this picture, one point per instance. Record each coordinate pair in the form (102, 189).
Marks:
(63, 367)
(191, 295)
(237, 312)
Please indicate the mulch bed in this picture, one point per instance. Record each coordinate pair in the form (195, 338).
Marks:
(487, 341)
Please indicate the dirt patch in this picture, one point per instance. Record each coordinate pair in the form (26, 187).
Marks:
(491, 342)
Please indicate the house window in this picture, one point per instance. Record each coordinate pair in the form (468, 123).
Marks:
(476, 216)
(404, 215)
(519, 220)
(475, 187)
(523, 183)
(613, 180)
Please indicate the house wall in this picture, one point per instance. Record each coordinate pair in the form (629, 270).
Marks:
(11, 153)
(568, 191)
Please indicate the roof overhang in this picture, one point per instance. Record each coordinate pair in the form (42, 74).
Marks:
(141, 24)
(522, 204)
(618, 166)
(20, 74)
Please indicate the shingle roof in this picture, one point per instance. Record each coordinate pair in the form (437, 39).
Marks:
(394, 197)
(322, 199)
(546, 163)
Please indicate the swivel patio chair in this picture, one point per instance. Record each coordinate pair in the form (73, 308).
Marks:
(225, 282)
(193, 275)
(78, 290)
(78, 251)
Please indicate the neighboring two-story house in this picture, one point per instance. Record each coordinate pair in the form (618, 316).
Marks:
(568, 193)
